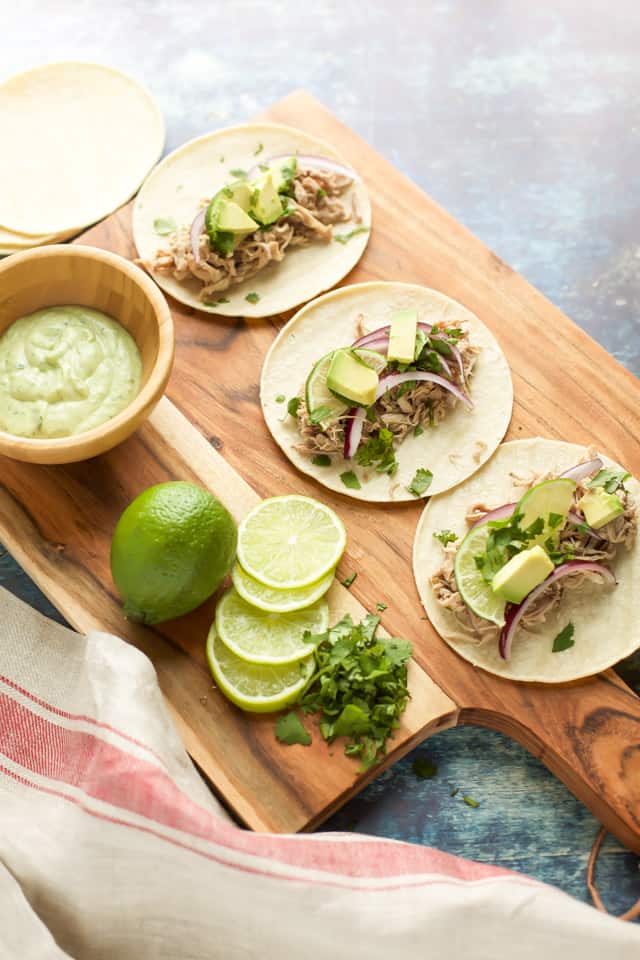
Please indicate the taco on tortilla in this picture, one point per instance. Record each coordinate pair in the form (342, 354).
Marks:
(394, 391)
(251, 220)
(528, 569)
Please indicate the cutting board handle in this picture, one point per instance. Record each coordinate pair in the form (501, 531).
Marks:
(588, 735)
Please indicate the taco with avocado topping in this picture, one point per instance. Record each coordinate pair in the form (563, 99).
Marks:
(393, 391)
(528, 568)
(251, 220)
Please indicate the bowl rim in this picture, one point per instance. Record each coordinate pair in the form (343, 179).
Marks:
(160, 371)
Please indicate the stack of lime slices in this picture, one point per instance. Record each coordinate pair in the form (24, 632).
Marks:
(288, 549)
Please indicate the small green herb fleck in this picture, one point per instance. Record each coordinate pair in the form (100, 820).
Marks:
(424, 767)
(555, 519)
(258, 149)
(564, 639)
(252, 297)
(418, 430)
(321, 460)
(470, 802)
(290, 730)
(348, 580)
(240, 174)
(280, 398)
(320, 194)
(215, 303)
(292, 406)
(263, 166)
(610, 479)
(221, 159)
(445, 537)
(345, 237)
(164, 226)
(454, 792)
(381, 607)
(421, 482)
(350, 480)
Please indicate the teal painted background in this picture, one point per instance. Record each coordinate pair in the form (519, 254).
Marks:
(522, 120)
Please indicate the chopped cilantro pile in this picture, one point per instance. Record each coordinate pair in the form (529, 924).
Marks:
(359, 688)
(378, 451)
(507, 538)
(610, 479)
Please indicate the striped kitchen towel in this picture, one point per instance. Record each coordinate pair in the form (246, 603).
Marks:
(112, 848)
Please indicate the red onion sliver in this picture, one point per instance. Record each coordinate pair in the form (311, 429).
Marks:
(197, 228)
(582, 470)
(395, 379)
(500, 513)
(353, 431)
(308, 159)
(515, 612)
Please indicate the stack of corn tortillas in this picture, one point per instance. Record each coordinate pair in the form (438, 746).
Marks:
(77, 141)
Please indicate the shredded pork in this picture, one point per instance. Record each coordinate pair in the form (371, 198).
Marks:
(426, 405)
(599, 546)
(317, 204)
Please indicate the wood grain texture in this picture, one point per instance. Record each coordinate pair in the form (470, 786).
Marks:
(588, 734)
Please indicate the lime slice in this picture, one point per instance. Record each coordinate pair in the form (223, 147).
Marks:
(372, 358)
(474, 590)
(546, 498)
(317, 394)
(290, 542)
(262, 637)
(278, 601)
(258, 688)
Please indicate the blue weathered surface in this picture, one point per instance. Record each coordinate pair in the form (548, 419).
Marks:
(522, 120)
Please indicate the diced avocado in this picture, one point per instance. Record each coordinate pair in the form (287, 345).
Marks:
(522, 574)
(402, 336)
(600, 507)
(227, 224)
(352, 379)
(266, 205)
(283, 171)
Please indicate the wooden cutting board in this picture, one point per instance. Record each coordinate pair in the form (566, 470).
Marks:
(58, 521)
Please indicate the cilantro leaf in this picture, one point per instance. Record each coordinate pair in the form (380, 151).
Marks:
(239, 173)
(350, 480)
(348, 580)
(418, 430)
(421, 482)
(345, 237)
(292, 406)
(381, 607)
(290, 730)
(215, 303)
(164, 226)
(359, 689)
(379, 450)
(445, 537)
(280, 398)
(252, 297)
(424, 767)
(321, 460)
(258, 149)
(564, 639)
(610, 479)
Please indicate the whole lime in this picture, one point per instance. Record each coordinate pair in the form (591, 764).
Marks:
(171, 549)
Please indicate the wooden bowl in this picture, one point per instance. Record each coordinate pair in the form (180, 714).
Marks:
(77, 275)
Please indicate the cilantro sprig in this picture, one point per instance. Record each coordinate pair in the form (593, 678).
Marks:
(378, 451)
(610, 479)
(359, 689)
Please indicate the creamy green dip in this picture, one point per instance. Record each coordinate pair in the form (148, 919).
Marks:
(64, 370)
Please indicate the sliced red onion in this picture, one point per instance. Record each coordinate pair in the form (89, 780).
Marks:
(579, 521)
(197, 228)
(515, 612)
(381, 334)
(307, 159)
(457, 356)
(582, 470)
(500, 513)
(395, 379)
(353, 431)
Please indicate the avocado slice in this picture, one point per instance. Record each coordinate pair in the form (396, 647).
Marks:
(351, 378)
(600, 507)
(402, 336)
(227, 224)
(522, 574)
(265, 204)
(283, 172)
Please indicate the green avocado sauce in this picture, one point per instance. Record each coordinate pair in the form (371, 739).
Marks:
(65, 370)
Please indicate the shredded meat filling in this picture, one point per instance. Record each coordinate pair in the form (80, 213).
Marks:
(426, 405)
(317, 203)
(599, 546)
